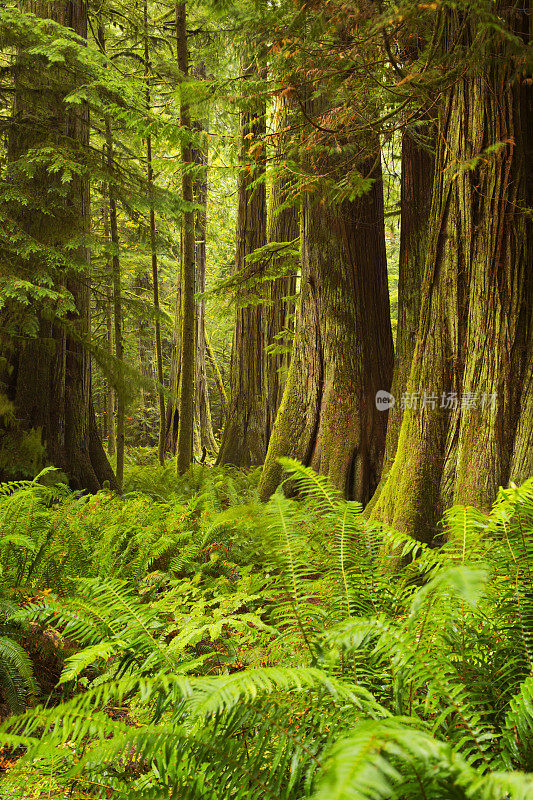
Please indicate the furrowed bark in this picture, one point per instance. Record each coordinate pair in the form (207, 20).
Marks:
(418, 161)
(474, 338)
(343, 350)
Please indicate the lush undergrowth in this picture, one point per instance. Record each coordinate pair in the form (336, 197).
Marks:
(185, 641)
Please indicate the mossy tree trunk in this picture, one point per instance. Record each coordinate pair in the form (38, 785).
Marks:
(51, 382)
(244, 439)
(343, 351)
(474, 340)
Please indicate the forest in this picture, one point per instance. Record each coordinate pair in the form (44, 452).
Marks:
(266, 400)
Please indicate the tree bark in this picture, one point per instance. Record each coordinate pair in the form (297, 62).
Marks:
(474, 339)
(244, 439)
(184, 446)
(418, 162)
(343, 351)
(51, 383)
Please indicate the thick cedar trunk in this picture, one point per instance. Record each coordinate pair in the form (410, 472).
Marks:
(474, 340)
(343, 352)
(283, 227)
(244, 439)
(418, 162)
(52, 380)
(184, 445)
(204, 439)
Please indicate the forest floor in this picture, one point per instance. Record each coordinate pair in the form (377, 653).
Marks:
(185, 611)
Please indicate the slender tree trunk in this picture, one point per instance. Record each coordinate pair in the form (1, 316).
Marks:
(283, 227)
(153, 249)
(51, 385)
(473, 350)
(203, 428)
(343, 352)
(184, 445)
(244, 438)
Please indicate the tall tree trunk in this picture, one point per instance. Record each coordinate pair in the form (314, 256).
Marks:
(418, 162)
(51, 384)
(203, 427)
(244, 439)
(343, 351)
(474, 344)
(283, 227)
(153, 250)
(184, 451)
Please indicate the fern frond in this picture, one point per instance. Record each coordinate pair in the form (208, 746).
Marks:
(311, 485)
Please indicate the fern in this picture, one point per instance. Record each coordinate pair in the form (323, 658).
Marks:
(421, 689)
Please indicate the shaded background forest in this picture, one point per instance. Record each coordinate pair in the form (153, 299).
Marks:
(219, 218)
